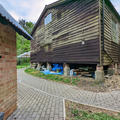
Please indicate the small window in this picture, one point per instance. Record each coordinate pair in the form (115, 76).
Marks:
(48, 19)
(59, 15)
(48, 48)
(114, 31)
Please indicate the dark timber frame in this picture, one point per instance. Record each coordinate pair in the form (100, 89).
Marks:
(61, 41)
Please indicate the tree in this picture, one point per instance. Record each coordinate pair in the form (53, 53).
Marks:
(23, 45)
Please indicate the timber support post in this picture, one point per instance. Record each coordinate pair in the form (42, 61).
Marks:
(39, 66)
(66, 69)
(49, 67)
(113, 69)
(116, 68)
(32, 65)
(99, 73)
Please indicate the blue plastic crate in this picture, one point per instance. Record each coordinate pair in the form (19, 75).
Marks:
(1, 115)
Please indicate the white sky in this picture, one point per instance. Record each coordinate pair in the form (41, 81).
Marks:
(30, 10)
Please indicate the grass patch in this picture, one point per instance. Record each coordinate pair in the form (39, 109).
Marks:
(23, 66)
(84, 83)
(76, 111)
(82, 115)
(56, 78)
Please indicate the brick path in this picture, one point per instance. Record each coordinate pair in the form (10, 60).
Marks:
(45, 102)
(35, 105)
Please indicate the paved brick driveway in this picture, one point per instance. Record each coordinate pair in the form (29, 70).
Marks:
(35, 105)
(40, 99)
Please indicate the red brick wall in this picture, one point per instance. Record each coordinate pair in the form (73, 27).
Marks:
(8, 74)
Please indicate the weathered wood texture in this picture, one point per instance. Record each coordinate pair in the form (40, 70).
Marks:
(61, 40)
(72, 53)
(111, 51)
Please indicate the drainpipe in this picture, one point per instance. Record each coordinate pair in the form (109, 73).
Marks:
(103, 22)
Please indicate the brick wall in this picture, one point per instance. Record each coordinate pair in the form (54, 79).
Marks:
(8, 74)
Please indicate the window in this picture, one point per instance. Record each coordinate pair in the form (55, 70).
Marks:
(59, 15)
(48, 19)
(115, 31)
(48, 48)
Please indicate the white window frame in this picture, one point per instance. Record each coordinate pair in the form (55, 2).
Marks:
(48, 19)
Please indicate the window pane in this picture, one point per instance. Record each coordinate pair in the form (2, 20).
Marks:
(48, 19)
(114, 31)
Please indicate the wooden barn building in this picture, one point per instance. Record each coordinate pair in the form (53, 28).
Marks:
(8, 72)
(77, 33)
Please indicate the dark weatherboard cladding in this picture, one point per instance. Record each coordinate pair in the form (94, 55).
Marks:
(72, 53)
(72, 36)
(81, 31)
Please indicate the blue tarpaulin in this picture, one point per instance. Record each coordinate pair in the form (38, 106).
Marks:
(55, 68)
(47, 72)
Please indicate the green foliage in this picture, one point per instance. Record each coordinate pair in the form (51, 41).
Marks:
(57, 78)
(23, 45)
(75, 112)
(21, 61)
(23, 65)
(82, 115)
(28, 26)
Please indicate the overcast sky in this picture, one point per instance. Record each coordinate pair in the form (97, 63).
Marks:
(31, 9)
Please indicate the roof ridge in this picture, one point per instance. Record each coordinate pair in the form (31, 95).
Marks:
(60, 2)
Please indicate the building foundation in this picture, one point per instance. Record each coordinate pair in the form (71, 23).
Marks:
(49, 67)
(113, 69)
(39, 66)
(99, 73)
(66, 70)
(32, 65)
(116, 69)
